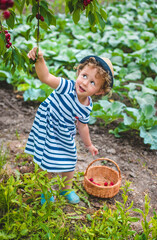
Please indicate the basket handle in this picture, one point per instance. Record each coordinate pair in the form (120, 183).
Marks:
(106, 159)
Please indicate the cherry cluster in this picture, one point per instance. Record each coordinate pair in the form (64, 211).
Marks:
(38, 16)
(7, 38)
(86, 2)
(5, 4)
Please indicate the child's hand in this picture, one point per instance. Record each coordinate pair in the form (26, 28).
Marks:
(34, 55)
(93, 150)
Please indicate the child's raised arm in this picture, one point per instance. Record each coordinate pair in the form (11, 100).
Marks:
(42, 70)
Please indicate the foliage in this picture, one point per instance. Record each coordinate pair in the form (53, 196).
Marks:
(17, 57)
(128, 39)
(22, 216)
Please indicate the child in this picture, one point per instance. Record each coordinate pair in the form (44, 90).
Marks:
(52, 137)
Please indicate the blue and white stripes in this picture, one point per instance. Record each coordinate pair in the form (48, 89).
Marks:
(52, 137)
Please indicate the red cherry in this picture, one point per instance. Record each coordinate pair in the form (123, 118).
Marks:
(111, 183)
(88, 1)
(38, 16)
(7, 35)
(42, 18)
(85, 3)
(6, 14)
(6, 31)
(106, 184)
(91, 179)
(3, 6)
(8, 45)
(10, 3)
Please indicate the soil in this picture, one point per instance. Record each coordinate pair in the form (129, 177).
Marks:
(137, 163)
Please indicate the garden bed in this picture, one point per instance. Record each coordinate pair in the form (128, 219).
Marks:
(136, 161)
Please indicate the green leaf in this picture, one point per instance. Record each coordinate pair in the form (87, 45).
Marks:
(91, 18)
(134, 75)
(100, 20)
(34, 94)
(24, 232)
(11, 20)
(23, 87)
(92, 120)
(117, 60)
(76, 15)
(89, 217)
(16, 57)
(2, 44)
(103, 14)
(35, 9)
(149, 111)
(4, 75)
(127, 120)
(153, 67)
(133, 219)
(145, 99)
(149, 82)
(138, 210)
(150, 137)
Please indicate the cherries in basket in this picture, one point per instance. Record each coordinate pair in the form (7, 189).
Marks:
(105, 183)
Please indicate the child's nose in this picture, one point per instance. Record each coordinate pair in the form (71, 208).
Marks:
(85, 82)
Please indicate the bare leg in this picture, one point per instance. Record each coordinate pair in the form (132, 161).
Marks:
(69, 177)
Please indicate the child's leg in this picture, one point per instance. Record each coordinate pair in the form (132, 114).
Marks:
(72, 197)
(69, 177)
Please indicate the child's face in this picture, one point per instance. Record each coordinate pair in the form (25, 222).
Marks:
(88, 82)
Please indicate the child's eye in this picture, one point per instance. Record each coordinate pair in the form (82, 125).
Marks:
(84, 76)
(93, 83)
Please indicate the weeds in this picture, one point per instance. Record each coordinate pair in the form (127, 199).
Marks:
(3, 157)
(22, 216)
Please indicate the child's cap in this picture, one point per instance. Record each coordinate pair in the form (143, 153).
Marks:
(105, 63)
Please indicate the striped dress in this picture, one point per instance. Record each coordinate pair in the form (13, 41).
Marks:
(52, 137)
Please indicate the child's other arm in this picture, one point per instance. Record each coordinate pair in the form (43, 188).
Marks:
(42, 70)
(85, 136)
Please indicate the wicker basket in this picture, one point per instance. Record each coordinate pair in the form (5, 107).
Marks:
(102, 174)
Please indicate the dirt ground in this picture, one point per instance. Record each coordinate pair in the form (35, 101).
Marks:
(137, 163)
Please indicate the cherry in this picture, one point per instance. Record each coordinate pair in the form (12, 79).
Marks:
(6, 14)
(7, 38)
(91, 179)
(7, 35)
(4, 4)
(38, 16)
(86, 2)
(106, 184)
(10, 3)
(8, 45)
(42, 18)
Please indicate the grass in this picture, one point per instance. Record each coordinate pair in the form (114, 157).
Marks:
(22, 216)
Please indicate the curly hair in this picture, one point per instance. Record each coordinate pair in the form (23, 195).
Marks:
(100, 73)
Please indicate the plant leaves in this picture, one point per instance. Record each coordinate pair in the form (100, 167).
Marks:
(133, 76)
(150, 137)
(76, 15)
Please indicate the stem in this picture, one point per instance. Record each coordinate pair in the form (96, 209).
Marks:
(38, 34)
(1, 25)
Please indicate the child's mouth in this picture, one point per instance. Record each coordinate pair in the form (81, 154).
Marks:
(81, 89)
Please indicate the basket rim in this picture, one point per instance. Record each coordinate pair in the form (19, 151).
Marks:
(106, 159)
